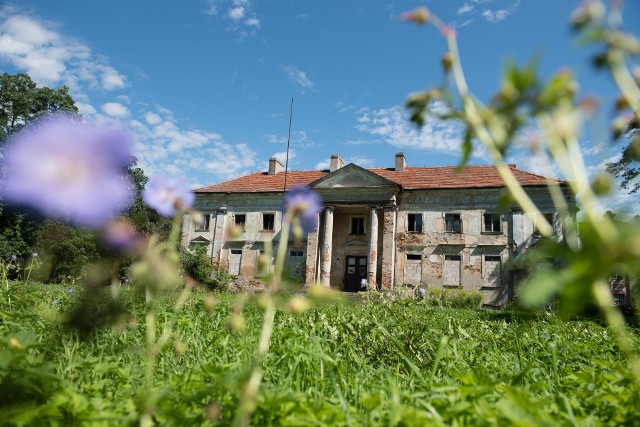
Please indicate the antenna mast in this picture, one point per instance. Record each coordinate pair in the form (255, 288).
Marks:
(286, 165)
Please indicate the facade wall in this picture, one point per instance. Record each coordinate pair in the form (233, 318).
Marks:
(404, 257)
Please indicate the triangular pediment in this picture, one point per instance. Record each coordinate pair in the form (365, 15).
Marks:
(353, 176)
(200, 239)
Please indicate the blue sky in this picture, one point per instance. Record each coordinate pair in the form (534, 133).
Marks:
(206, 85)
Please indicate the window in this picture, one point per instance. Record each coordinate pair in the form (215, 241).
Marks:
(268, 221)
(357, 225)
(204, 224)
(414, 257)
(240, 220)
(414, 223)
(491, 223)
(452, 223)
(550, 219)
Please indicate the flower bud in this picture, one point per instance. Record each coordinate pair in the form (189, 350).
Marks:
(602, 184)
(13, 342)
(587, 13)
(419, 16)
(298, 305)
(620, 125)
(447, 62)
(179, 347)
(621, 103)
(237, 323)
(210, 303)
(318, 292)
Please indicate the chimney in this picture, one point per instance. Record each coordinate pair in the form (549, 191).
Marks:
(336, 163)
(401, 162)
(275, 166)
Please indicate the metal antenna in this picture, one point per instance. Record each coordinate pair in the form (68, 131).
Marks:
(286, 165)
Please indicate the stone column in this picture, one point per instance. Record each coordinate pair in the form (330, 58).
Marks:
(218, 233)
(327, 244)
(312, 256)
(373, 246)
(389, 246)
(186, 230)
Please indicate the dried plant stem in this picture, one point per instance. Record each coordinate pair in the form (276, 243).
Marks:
(250, 392)
(486, 138)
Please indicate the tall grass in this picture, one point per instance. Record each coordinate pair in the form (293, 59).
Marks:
(405, 363)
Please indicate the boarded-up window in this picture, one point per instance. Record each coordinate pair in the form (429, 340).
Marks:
(413, 269)
(492, 271)
(296, 259)
(235, 257)
(452, 270)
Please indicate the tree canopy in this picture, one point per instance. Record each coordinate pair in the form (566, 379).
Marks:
(21, 100)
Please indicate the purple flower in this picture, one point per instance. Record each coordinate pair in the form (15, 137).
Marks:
(68, 169)
(167, 195)
(14, 258)
(55, 302)
(305, 204)
(119, 235)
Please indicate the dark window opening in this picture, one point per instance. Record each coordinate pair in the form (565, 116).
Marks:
(268, 221)
(204, 224)
(240, 220)
(414, 257)
(491, 223)
(357, 225)
(453, 223)
(415, 223)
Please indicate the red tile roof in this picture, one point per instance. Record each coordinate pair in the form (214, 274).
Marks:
(411, 178)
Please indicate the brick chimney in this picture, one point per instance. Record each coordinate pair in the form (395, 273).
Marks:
(401, 162)
(336, 163)
(275, 166)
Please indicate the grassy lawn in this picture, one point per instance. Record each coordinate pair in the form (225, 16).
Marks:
(402, 363)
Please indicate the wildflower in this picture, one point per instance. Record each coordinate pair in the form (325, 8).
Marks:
(363, 283)
(34, 255)
(55, 302)
(13, 342)
(167, 195)
(69, 290)
(14, 258)
(304, 204)
(69, 169)
(119, 235)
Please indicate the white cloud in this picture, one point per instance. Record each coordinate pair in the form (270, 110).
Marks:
(152, 118)
(164, 147)
(498, 15)
(282, 156)
(115, 109)
(298, 77)
(253, 22)
(392, 126)
(465, 8)
(236, 13)
(30, 45)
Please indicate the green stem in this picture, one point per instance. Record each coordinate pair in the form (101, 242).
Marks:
(485, 137)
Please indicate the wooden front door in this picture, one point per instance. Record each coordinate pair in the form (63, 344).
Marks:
(355, 272)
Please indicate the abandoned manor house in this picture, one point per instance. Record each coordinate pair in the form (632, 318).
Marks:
(427, 226)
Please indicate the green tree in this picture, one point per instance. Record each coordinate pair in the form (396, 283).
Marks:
(628, 167)
(21, 100)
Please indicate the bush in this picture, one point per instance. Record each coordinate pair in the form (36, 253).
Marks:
(454, 298)
(197, 265)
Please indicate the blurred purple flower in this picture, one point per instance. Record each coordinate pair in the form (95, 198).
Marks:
(14, 258)
(167, 195)
(69, 169)
(119, 235)
(305, 204)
